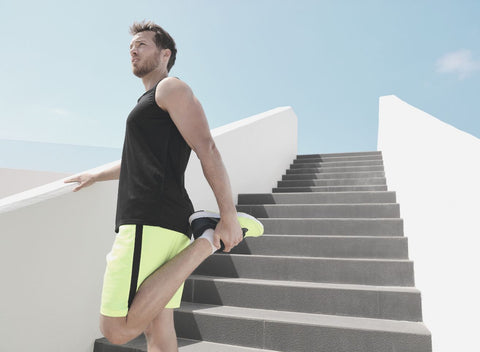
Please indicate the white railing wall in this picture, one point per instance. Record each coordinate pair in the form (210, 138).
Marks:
(435, 170)
(256, 152)
(54, 241)
(18, 180)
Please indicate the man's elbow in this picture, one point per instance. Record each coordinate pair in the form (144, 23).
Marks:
(206, 150)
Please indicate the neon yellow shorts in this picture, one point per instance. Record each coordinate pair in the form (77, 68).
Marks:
(137, 252)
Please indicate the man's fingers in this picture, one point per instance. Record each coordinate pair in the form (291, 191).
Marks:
(71, 180)
(216, 240)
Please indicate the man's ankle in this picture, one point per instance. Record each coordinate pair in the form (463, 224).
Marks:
(208, 237)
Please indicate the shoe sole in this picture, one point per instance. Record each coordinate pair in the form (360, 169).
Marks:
(247, 221)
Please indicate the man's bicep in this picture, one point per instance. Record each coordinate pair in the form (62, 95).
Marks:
(188, 115)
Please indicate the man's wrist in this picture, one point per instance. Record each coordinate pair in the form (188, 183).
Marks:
(229, 215)
(97, 176)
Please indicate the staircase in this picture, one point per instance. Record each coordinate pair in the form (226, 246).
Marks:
(330, 274)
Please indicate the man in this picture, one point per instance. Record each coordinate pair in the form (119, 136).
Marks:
(152, 254)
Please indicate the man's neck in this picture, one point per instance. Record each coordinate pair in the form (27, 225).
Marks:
(153, 78)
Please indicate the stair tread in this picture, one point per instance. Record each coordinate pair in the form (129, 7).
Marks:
(333, 219)
(318, 205)
(305, 284)
(320, 193)
(187, 345)
(396, 238)
(291, 257)
(350, 187)
(319, 320)
(342, 179)
(379, 152)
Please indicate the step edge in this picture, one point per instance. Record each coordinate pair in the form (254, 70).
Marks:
(252, 256)
(308, 284)
(311, 319)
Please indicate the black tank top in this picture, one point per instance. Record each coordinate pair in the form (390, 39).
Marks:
(151, 187)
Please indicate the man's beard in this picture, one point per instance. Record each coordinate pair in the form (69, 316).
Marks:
(147, 67)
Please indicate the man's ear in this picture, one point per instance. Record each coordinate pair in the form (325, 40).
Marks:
(166, 53)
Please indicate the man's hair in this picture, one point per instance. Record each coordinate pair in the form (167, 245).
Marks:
(163, 40)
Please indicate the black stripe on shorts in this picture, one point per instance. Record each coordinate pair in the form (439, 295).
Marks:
(137, 252)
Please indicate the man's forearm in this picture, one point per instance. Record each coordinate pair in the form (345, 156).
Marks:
(112, 173)
(217, 177)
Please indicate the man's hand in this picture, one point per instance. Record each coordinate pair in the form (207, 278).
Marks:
(229, 231)
(85, 180)
(109, 172)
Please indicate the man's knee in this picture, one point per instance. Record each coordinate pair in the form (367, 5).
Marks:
(116, 331)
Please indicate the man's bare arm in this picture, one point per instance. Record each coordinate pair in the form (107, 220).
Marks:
(88, 179)
(187, 113)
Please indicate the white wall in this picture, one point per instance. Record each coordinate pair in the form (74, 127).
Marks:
(54, 241)
(435, 170)
(17, 180)
(256, 151)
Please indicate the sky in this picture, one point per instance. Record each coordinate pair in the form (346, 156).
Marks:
(65, 73)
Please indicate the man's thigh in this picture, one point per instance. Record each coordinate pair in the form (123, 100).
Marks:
(137, 252)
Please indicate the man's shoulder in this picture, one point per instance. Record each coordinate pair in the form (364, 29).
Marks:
(170, 88)
(171, 83)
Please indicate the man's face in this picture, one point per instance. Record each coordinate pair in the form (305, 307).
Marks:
(144, 53)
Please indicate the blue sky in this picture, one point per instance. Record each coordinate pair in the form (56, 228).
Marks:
(66, 76)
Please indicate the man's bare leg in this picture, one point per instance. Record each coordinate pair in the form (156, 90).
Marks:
(154, 293)
(160, 334)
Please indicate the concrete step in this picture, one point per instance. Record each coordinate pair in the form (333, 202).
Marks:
(318, 198)
(336, 164)
(184, 345)
(400, 303)
(375, 181)
(339, 158)
(322, 210)
(334, 227)
(292, 331)
(395, 247)
(379, 188)
(314, 169)
(381, 272)
(308, 156)
(332, 175)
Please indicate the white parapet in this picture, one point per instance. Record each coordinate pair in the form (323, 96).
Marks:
(18, 180)
(435, 170)
(256, 152)
(54, 241)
